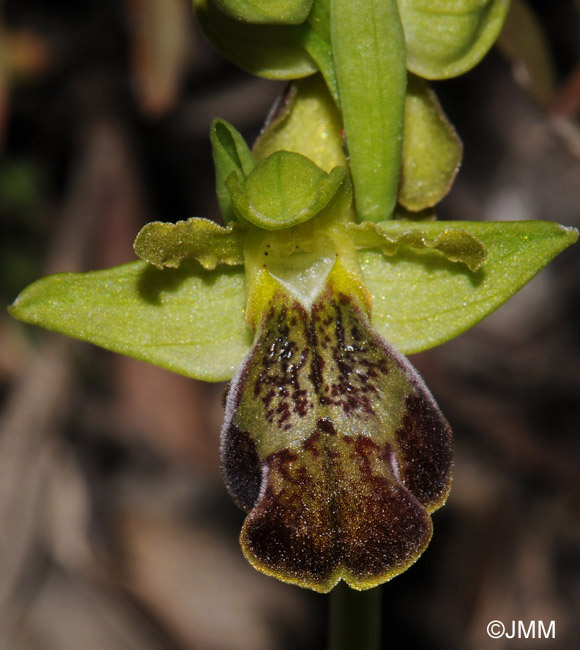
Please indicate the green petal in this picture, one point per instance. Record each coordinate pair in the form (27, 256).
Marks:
(271, 12)
(445, 38)
(284, 190)
(431, 149)
(230, 154)
(457, 245)
(166, 245)
(189, 321)
(269, 51)
(421, 300)
(309, 123)
(369, 59)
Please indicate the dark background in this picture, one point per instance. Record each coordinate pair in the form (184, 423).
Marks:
(115, 529)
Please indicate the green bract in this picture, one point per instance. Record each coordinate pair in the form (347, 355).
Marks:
(445, 38)
(369, 58)
(269, 51)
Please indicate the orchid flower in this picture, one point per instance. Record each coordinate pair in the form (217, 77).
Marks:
(328, 269)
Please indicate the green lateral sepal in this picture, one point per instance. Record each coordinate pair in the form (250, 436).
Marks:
(187, 320)
(167, 245)
(286, 189)
(421, 300)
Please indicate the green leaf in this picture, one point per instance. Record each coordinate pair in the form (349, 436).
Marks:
(284, 190)
(455, 244)
(166, 245)
(269, 51)
(230, 154)
(445, 38)
(189, 321)
(421, 300)
(369, 58)
(272, 12)
(309, 123)
(431, 149)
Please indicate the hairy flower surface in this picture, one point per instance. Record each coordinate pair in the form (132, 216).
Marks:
(333, 445)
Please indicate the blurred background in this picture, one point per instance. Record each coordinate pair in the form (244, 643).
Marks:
(116, 532)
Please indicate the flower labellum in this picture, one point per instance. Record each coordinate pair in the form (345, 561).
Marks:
(333, 444)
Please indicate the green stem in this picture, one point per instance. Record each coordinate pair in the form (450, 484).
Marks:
(354, 619)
